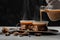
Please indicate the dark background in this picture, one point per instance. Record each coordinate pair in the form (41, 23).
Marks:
(12, 11)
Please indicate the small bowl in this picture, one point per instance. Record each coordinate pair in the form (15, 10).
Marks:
(24, 22)
(40, 22)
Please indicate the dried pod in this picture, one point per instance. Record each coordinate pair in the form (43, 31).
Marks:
(15, 33)
(5, 30)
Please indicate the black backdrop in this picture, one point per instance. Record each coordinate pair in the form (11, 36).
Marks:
(12, 11)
